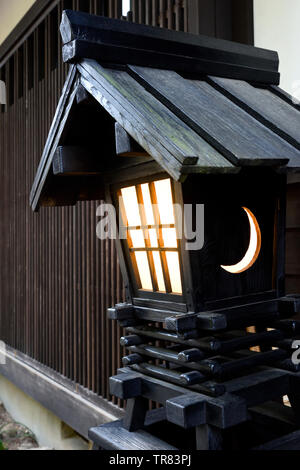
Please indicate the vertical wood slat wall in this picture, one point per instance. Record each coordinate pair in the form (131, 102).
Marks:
(57, 278)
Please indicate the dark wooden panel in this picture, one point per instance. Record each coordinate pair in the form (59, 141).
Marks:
(75, 161)
(292, 284)
(293, 252)
(293, 239)
(293, 207)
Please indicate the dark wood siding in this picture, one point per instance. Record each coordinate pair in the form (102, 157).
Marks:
(57, 278)
(225, 19)
(293, 239)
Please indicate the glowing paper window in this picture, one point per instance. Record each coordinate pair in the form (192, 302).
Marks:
(148, 214)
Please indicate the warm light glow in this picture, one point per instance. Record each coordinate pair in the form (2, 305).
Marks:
(174, 271)
(137, 238)
(169, 237)
(157, 268)
(159, 272)
(253, 249)
(131, 206)
(147, 204)
(153, 238)
(165, 201)
(144, 271)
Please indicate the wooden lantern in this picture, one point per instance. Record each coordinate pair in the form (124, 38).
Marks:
(150, 119)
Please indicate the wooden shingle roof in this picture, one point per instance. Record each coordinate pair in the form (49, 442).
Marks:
(188, 119)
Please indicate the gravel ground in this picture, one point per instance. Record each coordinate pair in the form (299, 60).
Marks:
(15, 436)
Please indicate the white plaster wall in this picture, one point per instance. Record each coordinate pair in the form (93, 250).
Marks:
(49, 431)
(11, 12)
(277, 27)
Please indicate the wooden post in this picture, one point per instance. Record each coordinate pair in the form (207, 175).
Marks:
(208, 437)
(136, 410)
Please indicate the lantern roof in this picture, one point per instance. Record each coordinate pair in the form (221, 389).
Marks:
(189, 104)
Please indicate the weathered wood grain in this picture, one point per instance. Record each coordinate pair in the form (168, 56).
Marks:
(192, 409)
(265, 106)
(160, 132)
(261, 386)
(125, 145)
(113, 436)
(236, 134)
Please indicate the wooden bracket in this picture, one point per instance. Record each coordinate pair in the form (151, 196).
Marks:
(187, 410)
(136, 410)
(121, 312)
(193, 409)
(181, 323)
(125, 386)
(126, 146)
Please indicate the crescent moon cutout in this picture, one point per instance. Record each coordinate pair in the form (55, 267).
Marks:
(253, 249)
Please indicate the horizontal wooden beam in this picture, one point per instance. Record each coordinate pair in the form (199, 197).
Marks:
(113, 436)
(120, 42)
(193, 409)
(219, 411)
(188, 379)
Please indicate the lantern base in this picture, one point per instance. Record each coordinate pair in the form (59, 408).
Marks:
(240, 420)
(209, 376)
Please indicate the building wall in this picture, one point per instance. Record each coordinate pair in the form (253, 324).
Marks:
(11, 12)
(276, 26)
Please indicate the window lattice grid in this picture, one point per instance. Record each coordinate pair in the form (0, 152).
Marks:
(148, 215)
